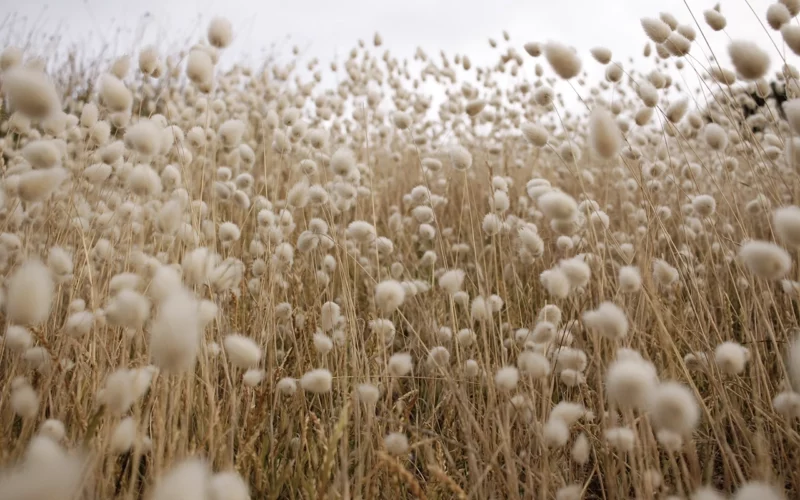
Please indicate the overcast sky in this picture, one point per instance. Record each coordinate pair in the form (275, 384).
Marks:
(325, 28)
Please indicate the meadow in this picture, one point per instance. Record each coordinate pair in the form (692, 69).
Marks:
(222, 283)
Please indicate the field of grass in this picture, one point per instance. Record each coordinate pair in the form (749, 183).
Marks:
(231, 283)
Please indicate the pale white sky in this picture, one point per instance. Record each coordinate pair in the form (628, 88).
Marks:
(329, 27)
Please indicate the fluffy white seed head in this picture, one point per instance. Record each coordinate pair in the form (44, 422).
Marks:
(228, 485)
(731, 358)
(663, 273)
(389, 295)
(657, 30)
(533, 364)
(54, 429)
(114, 94)
(29, 293)
(24, 400)
(558, 205)
(187, 479)
(673, 407)
(787, 225)
(563, 59)
(535, 134)
(460, 158)
(288, 385)
(175, 333)
(506, 378)
(396, 443)
(368, 394)
(757, 490)
(715, 136)
(604, 133)
(750, 60)
(242, 351)
(630, 383)
(31, 92)
(580, 450)
(220, 32)
(38, 185)
(608, 321)
(123, 436)
(318, 381)
(766, 260)
(400, 364)
(630, 279)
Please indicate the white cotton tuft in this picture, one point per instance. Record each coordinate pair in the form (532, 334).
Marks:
(31, 92)
(608, 321)
(757, 490)
(287, 386)
(630, 279)
(42, 154)
(750, 60)
(657, 30)
(604, 133)
(731, 358)
(253, 377)
(389, 295)
(24, 399)
(568, 412)
(563, 59)
(576, 270)
(200, 68)
(715, 136)
(188, 479)
(368, 394)
(119, 393)
(17, 338)
(630, 382)
(128, 309)
(506, 378)
(557, 205)
(787, 225)
(144, 181)
(533, 364)
(175, 333)
(322, 343)
(53, 429)
(228, 485)
(673, 407)
(242, 351)
(766, 260)
(317, 381)
(620, 438)
(144, 137)
(396, 443)
(555, 433)
(123, 437)
(580, 450)
(451, 281)
(330, 314)
(556, 282)
(29, 293)
(400, 364)
(220, 32)
(38, 185)
(535, 134)
(460, 158)
(664, 273)
(114, 94)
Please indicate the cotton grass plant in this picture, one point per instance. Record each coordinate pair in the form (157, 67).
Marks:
(235, 282)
